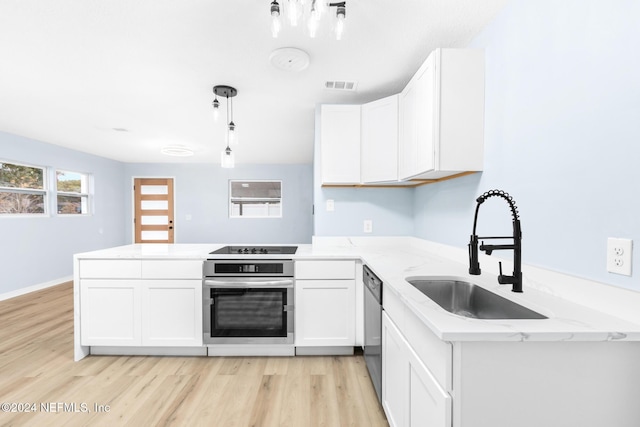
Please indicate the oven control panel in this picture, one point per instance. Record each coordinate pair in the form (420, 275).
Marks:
(227, 268)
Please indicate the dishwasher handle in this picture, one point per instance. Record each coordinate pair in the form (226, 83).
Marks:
(372, 283)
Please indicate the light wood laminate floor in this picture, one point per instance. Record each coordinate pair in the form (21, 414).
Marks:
(37, 367)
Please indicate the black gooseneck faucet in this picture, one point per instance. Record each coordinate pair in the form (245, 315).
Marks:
(474, 265)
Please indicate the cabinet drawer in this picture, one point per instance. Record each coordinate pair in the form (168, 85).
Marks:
(110, 269)
(344, 269)
(171, 269)
(393, 306)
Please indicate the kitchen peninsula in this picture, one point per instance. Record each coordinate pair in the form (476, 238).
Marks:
(577, 367)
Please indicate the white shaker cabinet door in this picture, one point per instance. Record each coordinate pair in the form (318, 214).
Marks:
(325, 313)
(442, 116)
(172, 313)
(110, 312)
(395, 374)
(340, 144)
(411, 395)
(416, 134)
(429, 404)
(408, 132)
(379, 144)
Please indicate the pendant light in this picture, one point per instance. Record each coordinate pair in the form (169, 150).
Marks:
(341, 14)
(216, 107)
(310, 11)
(232, 132)
(227, 159)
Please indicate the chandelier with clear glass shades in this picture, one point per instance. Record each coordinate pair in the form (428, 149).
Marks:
(309, 13)
(226, 156)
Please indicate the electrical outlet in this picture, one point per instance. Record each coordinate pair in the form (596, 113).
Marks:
(368, 226)
(619, 256)
(330, 205)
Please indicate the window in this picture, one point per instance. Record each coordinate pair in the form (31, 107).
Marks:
(255, 199)
(72, 193)
(22, 189)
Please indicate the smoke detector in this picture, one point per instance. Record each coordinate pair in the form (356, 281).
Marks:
(289, 59)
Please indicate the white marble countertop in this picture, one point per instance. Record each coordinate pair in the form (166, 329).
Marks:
(394, 259)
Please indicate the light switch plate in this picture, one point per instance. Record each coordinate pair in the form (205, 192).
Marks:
(619, 257)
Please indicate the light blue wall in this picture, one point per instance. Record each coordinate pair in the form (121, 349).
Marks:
(390, 210)
(202, 191)
(562, 136)
(39, 250)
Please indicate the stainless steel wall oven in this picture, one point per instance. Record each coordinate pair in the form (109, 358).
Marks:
(248, 301)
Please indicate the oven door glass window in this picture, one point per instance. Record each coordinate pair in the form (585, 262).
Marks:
(249, 312)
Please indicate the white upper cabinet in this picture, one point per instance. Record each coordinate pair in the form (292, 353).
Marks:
(379, 140)
(442, 116)
(340, 144)
(433, 129)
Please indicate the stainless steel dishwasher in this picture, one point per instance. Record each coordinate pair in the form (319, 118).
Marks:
(373, 328)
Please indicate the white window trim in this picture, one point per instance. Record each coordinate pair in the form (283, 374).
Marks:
(45, 192)
(257, 216)
(89, 198)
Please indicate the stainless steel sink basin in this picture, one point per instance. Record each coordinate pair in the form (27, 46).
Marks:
(469, 300)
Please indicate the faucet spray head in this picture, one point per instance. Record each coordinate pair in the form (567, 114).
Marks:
(474, 265)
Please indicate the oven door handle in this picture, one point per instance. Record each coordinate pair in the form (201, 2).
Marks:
(247, 284)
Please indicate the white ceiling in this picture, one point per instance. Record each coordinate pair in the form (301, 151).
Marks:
(76, 72)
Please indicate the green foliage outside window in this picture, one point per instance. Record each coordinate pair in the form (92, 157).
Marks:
(21, 189)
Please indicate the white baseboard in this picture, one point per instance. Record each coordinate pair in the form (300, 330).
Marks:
(39, 286)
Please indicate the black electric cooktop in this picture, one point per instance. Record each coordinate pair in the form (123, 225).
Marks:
(256, 250)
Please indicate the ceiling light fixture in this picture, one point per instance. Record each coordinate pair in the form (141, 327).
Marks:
(227, 156)
(310, 11)
(177, 150)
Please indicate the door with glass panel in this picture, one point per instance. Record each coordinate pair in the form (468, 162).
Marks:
(153, 210)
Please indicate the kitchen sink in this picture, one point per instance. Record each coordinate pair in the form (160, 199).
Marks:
(469, 300)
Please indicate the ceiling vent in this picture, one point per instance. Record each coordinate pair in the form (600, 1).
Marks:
(341, 85)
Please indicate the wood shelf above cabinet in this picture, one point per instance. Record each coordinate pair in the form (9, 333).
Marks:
(402, 184)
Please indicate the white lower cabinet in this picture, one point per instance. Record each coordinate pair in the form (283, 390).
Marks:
(411, 396)
(110, 312)
(171, 312)
(395, 378)
(429, 404)
(143, 309)
(325, 303)
(325, 313)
